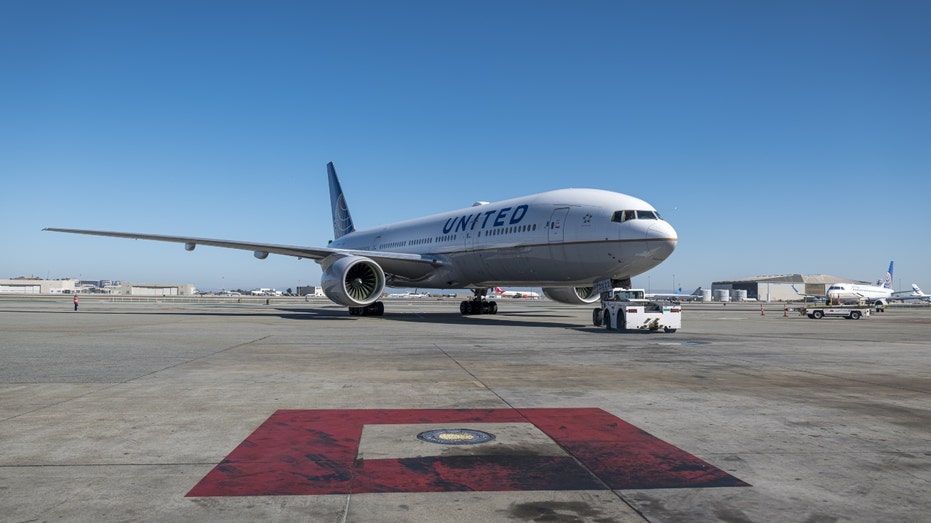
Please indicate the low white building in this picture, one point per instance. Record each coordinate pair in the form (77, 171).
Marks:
(157, 289)
(72, 286)
(37, 286)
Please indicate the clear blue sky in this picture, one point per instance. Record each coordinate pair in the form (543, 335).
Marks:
(776, 137)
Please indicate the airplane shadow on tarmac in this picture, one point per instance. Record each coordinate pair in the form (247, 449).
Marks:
(504, 319)
(449, 318)
(508, 319)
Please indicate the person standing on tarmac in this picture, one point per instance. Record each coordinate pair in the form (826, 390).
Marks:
(75, 302)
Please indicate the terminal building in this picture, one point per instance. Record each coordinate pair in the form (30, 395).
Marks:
(790, 287)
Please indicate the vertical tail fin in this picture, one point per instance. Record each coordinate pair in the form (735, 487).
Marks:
(342, 220)
(887, 283)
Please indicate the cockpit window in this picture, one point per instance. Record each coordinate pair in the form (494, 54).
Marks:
(623, 216)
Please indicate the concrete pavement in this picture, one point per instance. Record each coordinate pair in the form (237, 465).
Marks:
(119, 411)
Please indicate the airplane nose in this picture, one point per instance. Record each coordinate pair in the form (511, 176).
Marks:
(665, 237)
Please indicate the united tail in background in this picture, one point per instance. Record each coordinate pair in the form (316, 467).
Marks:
(887, 283)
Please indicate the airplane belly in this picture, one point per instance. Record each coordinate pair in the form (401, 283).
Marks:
(546, 264)
(580, 264)
(517, 264)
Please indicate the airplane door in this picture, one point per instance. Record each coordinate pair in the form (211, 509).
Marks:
(472, 261)
(557, 225)
(375, 243)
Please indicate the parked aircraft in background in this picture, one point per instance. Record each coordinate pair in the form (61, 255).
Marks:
(562, 241)
(878, 294)
(516, 294)
(676, 296)
(914, 295)
(409, 295)
(809, 298)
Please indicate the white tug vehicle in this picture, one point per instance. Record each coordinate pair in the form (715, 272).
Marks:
(851, 312)
(628, 309)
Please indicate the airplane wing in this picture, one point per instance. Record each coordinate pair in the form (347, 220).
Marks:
(915, 294)
(408, 265)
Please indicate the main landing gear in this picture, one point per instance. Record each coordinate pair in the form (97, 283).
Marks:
(373, 309)
(478, 304)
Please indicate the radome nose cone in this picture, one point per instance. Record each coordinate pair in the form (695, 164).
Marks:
(665, 237)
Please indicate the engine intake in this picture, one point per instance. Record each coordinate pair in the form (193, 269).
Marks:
(571, 295)
(353, 281)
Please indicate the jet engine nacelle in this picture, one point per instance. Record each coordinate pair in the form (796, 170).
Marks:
(571, 295)
(353, 281)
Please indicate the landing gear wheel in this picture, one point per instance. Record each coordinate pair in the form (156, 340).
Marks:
(478, 304)
(373, 309)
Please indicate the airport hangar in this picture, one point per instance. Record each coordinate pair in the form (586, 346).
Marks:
(789, 287)
(72, 286)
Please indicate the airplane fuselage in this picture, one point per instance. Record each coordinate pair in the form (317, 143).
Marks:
(558, 238)
(852, 290)
(563, 241)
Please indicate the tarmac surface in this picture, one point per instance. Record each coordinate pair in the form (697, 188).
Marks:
(289, 410)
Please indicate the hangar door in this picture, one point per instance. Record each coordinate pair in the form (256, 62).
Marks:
(153, 291)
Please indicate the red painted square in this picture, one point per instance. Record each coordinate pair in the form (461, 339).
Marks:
(313, 452)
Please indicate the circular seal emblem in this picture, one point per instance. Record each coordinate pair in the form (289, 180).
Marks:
(455, 436)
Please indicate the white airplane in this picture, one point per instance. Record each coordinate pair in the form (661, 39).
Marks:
(808, 298)
(878, 294)
(910, 296)
(516, 294)
(562, 240)
(676, 296)
(409, 295)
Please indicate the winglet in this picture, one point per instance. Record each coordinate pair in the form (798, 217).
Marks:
(342, 220)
